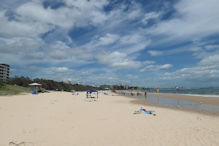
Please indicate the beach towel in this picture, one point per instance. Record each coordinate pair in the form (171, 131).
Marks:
(143, 111)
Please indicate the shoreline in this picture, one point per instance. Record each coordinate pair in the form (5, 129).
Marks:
(142, 102)
(197, 99)
(203, 100)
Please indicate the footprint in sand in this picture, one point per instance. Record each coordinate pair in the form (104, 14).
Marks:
(21, 144)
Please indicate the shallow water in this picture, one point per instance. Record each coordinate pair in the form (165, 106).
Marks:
(178, 103)
(195, 91)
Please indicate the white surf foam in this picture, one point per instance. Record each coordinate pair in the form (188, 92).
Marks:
(203, 95)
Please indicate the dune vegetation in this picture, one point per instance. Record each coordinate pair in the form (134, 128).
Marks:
(13, 90)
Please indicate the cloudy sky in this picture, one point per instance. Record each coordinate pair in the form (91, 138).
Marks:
(134, 42)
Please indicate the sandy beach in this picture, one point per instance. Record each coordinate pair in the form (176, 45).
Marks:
(63, 119)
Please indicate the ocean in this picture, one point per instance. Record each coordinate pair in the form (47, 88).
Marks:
(179, 103)
(210, 92)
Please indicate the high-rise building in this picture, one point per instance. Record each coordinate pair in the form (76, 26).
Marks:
(4, 72)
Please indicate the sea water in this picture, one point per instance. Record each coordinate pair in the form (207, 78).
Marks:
(181, 104)
(176, 103)
(206, 92)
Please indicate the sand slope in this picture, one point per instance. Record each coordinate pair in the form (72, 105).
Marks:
(62, 119)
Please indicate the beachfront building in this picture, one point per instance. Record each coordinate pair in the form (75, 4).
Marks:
(4, 72)
(67, 81)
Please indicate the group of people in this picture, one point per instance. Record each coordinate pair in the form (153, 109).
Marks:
(131, 93)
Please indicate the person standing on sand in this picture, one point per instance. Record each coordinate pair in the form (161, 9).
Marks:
(157, 89)
(145, 94)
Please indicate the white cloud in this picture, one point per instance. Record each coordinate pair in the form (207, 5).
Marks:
(84, 4)
(128, 43)
(155, 67)
(195, 49)
(165, 66)
(79, 13)
(108, 39)
(211, 60)
(150, 15)
(117, 60)
(60, 69)
(119, 50)
(20, 28)
(133, 14)
(32, 19)
(131, 76)
(206, 71)
(204, 51)
(212, 47)
(35, 55)
(16, 45)
(148, 62)
(195, 19)
(132, 38)
(155, 53)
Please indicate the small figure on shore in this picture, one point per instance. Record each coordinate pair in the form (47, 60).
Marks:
(157, 89)
(145, 94)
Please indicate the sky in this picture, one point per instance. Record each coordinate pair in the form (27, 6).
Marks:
(134, 42)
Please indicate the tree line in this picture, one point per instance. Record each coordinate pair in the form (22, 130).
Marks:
(49, 84)
(61, 86)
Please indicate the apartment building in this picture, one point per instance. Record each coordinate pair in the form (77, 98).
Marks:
(4, 72)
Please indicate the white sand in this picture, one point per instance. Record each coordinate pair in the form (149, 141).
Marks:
(62, 119)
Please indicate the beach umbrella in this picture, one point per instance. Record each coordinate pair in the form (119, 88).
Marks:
(35, 85)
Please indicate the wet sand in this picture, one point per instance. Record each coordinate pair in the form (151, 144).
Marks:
(60, 118)
(145, 102)
(199, 99)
